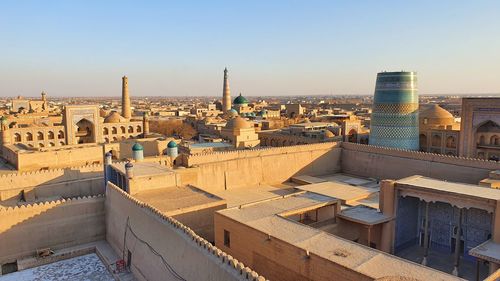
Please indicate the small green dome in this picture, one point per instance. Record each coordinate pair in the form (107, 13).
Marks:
(240, 100)
(137, 146)
(3, 120)
(172, 144)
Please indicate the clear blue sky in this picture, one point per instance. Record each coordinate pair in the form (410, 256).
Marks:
(271, 47)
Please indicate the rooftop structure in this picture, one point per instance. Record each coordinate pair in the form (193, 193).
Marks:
(277, 224)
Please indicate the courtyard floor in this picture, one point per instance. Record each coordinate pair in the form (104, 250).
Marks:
(88, 267)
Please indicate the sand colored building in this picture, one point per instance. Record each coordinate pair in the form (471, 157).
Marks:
(240, 133)
(480, 128)
(439, 132)
(22, 105)
(317, 211)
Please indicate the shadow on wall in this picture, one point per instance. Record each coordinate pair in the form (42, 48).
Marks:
(56, 225)
(269, 168)
(58, 183)
(387, 163)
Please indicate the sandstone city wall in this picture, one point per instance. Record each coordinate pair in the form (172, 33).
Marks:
(391, 163)
(185, 253)
(52, 158)
(243, 168)
(69, 182)
(56, 225)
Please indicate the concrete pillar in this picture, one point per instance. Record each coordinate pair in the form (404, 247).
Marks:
(125, 99)
(457, 245)
(368, 236)
(388, 207)
(426, 234)
(495, 227)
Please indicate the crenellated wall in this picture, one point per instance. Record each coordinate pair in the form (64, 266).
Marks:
(53, 158)
(55, 224)
(69, 182)
(273, 165)
(186, 253)
(390, 163)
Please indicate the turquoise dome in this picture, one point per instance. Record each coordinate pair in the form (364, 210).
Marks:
(172, 144)
(137, 146)
(232, 110)
(240, 100)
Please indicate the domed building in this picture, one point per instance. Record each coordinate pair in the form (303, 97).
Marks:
(240, 104)
(438, 131)
(436, 117)
(114, 117)
(241, 133)
(232, 113)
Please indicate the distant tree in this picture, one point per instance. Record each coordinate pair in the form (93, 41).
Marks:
(173, 127)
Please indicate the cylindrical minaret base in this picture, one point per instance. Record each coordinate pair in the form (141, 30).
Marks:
(394, 121)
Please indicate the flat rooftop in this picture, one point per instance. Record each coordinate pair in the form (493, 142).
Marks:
(442, 186)
(488, 251)
(347, 193)
(210, 144)
(364, 215)
(143, 169)
(251, 194)
(175, 200)
(313, 124)
(264, 217)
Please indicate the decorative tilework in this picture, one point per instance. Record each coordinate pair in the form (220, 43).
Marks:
(394, 120)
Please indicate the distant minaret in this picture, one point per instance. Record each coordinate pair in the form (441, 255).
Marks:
(125, 99)
(5, 130)
(145, 124)
(44, 99)
(226, 94)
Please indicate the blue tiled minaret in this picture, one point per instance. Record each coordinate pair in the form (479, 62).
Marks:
(394, 121)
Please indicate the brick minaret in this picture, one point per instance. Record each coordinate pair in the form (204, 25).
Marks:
(125, 99)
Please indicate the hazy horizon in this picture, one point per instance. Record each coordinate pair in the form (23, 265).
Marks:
(278, 48)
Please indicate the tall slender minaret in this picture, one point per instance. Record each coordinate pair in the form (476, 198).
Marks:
(44, 99)
(5, 130)
(226, 94)
(125, 99)
(145, 124)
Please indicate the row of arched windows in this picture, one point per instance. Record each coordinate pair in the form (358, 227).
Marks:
(50, 144)
(28, 136)
(493, 140)
(123, 130)
(436, 141)
(114, 139)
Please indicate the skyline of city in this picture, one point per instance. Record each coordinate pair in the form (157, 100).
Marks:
(279, 48)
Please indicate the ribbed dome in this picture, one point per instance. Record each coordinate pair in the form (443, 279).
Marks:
(238, 123)
(436, 115)
(435, 111)
(137, 146)
(114, 117)
(240, 100)
(172, 144)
